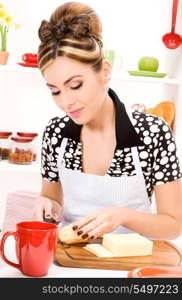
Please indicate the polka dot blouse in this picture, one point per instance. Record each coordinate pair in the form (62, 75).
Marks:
(151, 135)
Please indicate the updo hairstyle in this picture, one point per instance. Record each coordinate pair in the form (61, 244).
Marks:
(74, 30)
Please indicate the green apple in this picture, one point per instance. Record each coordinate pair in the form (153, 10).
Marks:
(148, 63)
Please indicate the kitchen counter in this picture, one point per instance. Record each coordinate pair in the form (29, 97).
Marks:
(56, 271)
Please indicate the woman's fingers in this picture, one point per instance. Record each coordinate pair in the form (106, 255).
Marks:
(78, 225)
(99, 230)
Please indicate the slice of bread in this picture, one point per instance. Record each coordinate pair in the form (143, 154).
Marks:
(69, 236)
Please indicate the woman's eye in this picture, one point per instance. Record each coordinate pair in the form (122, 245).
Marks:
(77, 86)
(55, 93)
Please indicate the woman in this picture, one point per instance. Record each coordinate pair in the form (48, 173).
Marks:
(101, 164)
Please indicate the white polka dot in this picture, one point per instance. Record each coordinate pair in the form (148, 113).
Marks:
(159, 175)
(128, 159)
(156, 152)
(147, 140)
(174, 172)
(62, 125)
(143, 164)
(154, 128)
(163, 153)
(57, 130)
(165, 128)
(149, 119)
(57, 149)
(172, 158)
(66, 119)
(171, 147)
(159, 182)
(143, 154)
(164, 160)
(174, 166)
(52, 175)
(146, 132)
(167, 135)
(54, 140)
(68, 155)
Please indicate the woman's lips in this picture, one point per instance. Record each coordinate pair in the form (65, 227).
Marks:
(75, 113)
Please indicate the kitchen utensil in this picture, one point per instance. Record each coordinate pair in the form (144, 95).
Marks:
(35, 247)
(172, 40)
(156, 272)
(147, 74)
(116, 61)
(164, 254)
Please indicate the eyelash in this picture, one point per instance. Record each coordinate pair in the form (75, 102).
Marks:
(73, 88)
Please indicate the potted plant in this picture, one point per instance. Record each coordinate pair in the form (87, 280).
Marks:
(6, 21)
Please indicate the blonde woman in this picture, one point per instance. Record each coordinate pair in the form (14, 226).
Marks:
(100, 163)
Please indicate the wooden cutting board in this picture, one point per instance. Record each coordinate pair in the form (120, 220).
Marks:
(74, 256)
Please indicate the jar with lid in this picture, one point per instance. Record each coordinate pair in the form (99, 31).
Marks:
(21, 151)
(31, 135)
(5, 147)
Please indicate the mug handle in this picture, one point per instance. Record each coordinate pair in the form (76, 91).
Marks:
(3, 256)
(117, 66)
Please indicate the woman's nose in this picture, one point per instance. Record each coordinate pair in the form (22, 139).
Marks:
(67, 102)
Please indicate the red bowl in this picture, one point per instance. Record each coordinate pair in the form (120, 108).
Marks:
(5, 133)
(156, 272)
(27, 134)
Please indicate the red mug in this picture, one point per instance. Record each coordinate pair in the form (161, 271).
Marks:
(30, 58)
(35, 247)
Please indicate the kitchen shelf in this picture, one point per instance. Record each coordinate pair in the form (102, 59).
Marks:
(142, 79)
(18, 68)
(6, 166)
(115, 76)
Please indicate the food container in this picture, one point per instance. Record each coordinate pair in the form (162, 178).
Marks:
(155, 271)
(5, 142)
(21, 151)
(31, 135)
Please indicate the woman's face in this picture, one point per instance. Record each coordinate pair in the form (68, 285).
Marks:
(76, 88)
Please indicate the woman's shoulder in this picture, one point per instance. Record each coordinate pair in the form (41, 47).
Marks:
(149, 127)
(54, 130)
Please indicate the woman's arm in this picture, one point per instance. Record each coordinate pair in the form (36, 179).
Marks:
(165, 224)
(50, 201)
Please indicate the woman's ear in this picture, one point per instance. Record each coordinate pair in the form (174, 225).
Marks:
(106, 69)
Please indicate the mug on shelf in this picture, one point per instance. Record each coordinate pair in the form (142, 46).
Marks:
(116, 61)
(30, 57)
(35, 247)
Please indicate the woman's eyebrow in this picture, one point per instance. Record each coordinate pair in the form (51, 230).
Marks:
(68, 80)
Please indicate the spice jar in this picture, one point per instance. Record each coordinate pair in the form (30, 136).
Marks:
(32, 136)
(5, 147)
(21, 151)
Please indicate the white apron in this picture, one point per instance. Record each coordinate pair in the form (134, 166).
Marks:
(84, 193)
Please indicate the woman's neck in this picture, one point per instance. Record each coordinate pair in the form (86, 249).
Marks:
(105, 118)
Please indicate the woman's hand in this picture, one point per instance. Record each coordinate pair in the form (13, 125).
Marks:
(101, 221)
(46, 208)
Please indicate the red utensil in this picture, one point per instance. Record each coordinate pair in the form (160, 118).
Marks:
(172, 40)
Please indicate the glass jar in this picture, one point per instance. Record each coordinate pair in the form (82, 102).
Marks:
(32, 136)
(5, 144)
(21, 151)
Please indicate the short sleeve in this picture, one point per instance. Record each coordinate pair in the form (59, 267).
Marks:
(51, 142)
(166, 166)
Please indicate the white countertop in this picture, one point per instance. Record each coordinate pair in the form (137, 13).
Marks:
(57, 271)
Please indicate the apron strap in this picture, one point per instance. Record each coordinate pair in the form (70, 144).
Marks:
(61, 152)
(134, 150)
(136, 161)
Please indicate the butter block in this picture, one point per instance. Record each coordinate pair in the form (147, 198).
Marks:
(98, 250)
(131, 244)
